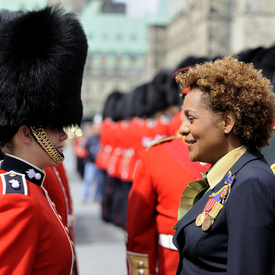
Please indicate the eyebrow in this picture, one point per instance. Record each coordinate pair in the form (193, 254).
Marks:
(188, 111)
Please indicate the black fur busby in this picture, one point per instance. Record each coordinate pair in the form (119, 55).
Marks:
(142, 101)
(42, 58)
(267, 63)
(252, 55)
(158, 97)
(110, 106)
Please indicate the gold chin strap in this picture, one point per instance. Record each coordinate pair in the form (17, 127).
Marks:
(44, 141)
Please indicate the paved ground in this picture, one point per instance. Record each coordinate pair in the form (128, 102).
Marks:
(99, 245)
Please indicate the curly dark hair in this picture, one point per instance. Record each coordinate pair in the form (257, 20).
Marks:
(237, 87)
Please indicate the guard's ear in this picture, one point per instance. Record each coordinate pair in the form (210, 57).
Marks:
(24, 132)
(229, 122)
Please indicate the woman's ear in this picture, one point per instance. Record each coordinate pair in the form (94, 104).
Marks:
(24, 132)
(229, 122)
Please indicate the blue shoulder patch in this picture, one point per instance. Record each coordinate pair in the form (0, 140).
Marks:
(14, 183)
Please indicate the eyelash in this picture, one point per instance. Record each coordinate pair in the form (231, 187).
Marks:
(191, 118)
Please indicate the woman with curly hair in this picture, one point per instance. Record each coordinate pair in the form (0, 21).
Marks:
(227, 221)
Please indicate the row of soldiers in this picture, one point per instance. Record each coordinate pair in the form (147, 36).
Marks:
(133, 121)
(139, 129)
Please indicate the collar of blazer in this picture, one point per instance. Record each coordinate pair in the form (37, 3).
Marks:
(192, 214)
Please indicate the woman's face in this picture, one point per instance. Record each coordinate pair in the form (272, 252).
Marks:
(202, 128)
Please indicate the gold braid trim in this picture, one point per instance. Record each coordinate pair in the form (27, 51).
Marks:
(44, 141)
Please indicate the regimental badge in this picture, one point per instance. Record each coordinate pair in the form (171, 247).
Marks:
(32, 174)
(14, 183)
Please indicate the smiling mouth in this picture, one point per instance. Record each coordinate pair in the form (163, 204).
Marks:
(190, 142)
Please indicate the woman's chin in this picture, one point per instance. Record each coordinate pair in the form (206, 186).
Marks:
(193, 158)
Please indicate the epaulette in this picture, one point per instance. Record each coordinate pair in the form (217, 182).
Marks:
(162, 140)
(273, 167)
(14, 183)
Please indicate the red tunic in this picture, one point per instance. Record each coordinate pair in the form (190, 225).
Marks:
(161, 177)
(104, 154)
(33, 238)
(59, 192)
(175, 124)
(61, 172)
(56, 191)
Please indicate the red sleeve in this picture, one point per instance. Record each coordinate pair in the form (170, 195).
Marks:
(19, 229)
(141, 215)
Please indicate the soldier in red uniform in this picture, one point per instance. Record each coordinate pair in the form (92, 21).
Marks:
(42, 59)
(164, 172)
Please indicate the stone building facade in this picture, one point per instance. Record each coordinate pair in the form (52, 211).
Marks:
(182, 28)
(214, 28)
(253, 24)
(178, 29)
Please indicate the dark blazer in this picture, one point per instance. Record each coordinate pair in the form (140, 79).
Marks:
(242, 239)
(269, 151)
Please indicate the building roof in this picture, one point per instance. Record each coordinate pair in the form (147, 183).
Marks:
(166, 11)
(113, 33)
(162, 15)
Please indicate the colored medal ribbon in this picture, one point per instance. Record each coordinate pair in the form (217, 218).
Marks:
(208, 222)
(215, 204)
(203, 216)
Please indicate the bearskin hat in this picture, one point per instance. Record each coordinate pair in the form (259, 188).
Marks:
(109, 108)
(42, 58)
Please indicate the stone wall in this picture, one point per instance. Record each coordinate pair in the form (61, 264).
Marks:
(219, 27)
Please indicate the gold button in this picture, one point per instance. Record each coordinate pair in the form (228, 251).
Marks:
(12, 174)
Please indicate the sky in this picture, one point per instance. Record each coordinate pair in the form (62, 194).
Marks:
(139, 8)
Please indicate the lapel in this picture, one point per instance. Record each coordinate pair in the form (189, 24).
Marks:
(192, 214)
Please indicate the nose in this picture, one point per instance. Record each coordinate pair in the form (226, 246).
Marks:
(184, 129)
(63, 135)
